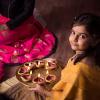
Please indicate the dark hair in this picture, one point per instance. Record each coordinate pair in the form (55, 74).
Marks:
(92, 25)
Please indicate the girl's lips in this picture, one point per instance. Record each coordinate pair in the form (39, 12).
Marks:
(73, 44)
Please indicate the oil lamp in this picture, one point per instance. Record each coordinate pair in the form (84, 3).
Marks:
(38, 80)
(49, 77)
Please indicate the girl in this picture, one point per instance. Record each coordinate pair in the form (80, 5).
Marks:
(80, 79)
(22, 38)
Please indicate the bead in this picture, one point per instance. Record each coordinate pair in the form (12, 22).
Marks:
(14, 59)
(22, 45)
(47, 35)
(45, 43)
(15, 53)
(26, 50)
(39, 40)
(17, 45)
(27, 56)
(1, 58)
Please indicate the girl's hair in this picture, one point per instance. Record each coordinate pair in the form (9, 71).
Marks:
(92, 25)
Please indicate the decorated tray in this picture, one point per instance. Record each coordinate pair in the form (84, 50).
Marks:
(44, 72)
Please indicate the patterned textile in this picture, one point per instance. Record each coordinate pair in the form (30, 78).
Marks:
(25, 43)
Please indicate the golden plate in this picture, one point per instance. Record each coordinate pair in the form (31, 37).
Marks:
(43, 72)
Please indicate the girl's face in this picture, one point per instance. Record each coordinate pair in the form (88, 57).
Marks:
(79, 38)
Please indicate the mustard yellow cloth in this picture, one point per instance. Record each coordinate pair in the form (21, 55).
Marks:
(78, 82)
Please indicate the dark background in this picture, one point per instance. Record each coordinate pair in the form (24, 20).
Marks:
(59, 13)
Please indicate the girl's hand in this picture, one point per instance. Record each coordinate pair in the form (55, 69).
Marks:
(40, 89)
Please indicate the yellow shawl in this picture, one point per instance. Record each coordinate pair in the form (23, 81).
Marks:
(78, 82)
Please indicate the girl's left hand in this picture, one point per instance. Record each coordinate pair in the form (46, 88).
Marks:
(38, 88)
(41, 90)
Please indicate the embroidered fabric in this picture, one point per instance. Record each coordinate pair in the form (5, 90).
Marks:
(27, 42)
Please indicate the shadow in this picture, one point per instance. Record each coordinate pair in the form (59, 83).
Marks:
(4, 97)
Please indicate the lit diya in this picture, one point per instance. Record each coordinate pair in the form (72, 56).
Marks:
(15, 53)
(51, 64)
(40, 63)
(22, 70)
(26, 68)
(38, 80)
(27, 77)
(29, 65)
(50, 77)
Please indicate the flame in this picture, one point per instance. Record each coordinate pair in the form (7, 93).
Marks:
(47, 72)
(46, 65)
(31, 72)
(39, 75)
(29, 64)
(38, 64)
(15, 53)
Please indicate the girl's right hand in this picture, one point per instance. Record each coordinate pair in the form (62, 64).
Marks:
(40, 89)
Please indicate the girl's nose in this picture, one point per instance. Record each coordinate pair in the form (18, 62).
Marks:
(75, 38)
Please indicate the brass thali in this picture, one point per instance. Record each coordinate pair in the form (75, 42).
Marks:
(40, 67)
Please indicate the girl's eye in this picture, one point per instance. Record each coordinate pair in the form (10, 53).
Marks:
(72, 32)
(83, 36)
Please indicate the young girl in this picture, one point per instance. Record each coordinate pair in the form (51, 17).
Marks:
(80, 79)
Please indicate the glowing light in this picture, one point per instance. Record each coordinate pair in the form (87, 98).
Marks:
(39, 75)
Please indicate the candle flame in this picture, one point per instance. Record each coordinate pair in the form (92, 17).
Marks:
(31, 72)
(46, 65)
(38, 64)
(29, 64)
(39, 75)
(47, 72)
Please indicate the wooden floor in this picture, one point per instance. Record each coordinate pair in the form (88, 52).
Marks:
(57, 15)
